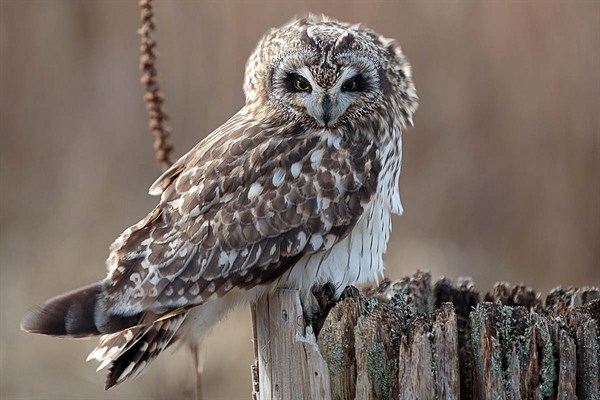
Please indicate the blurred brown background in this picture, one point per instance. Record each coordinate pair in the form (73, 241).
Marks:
(500, 175)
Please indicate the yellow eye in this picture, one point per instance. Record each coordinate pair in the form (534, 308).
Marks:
(350, 86)
(301, 85)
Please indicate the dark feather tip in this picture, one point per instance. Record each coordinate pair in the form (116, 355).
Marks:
(70, 314)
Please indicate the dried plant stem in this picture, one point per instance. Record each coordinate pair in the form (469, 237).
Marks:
(153, 97)
(195, 349)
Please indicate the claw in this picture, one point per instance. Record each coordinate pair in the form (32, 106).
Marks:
(350, 292)
(310, 306)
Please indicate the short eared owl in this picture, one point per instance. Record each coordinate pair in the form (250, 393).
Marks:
(296, 190)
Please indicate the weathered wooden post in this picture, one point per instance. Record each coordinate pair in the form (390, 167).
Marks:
(414, 340)
(289, 363)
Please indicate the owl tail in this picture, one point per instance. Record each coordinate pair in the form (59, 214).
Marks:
(128, 352)
(128, 344)
(76, 314)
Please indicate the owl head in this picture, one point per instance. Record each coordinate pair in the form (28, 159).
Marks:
(325, 73)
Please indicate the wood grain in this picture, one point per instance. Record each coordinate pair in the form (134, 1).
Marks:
(412, 339)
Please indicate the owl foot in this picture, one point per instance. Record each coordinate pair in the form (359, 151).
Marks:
(310, 306)
(350, 292)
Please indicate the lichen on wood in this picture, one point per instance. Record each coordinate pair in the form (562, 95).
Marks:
(336, 341)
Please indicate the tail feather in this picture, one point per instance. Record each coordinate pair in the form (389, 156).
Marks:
(128, 343)
(69, 314)
(130, 351)
(77, 314)
(112, 346)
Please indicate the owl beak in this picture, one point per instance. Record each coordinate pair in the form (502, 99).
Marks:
(326, 105)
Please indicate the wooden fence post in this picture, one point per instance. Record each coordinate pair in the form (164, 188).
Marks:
(289, 363)
(412, 339)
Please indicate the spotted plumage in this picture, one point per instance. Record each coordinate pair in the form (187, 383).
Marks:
(296, 190)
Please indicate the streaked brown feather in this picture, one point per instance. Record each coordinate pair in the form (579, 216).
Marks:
(226, 217)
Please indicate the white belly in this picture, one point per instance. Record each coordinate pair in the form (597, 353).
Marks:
(356, 259)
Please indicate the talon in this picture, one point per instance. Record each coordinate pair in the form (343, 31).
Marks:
(310, 306)
(350, 292)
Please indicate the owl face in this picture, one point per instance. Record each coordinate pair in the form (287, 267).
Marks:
(324, 92)
(324, 73)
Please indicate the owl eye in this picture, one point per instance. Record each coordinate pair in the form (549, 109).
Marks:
(296, 83)
(350, 86)
(301, 85)
(355, 84)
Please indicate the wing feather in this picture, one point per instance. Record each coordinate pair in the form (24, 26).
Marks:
(237, 210)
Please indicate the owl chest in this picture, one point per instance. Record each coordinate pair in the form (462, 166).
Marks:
(358, 258)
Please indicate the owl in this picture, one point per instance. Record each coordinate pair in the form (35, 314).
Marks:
(296, 190)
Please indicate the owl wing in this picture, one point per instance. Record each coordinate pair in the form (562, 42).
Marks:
(238, 210)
